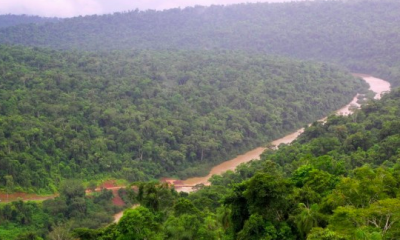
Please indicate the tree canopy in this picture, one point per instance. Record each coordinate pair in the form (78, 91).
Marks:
(136, 116)
(361, 35)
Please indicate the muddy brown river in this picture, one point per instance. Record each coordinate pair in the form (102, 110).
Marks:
(377, 85)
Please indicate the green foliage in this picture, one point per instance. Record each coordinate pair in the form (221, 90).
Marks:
(366, 187)
(324, 234)
(255, 228)
(307, 218)
(265, 194)
(61, 231)
(184, 206)
(156, 197)
(380, 218)
(239, 208)
(184, 227)
(71, 189)
(138, 223)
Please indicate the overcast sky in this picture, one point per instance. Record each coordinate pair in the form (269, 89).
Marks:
(70, 8)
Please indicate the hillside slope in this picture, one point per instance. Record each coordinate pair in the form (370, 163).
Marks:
(361, 35)
(144, 115)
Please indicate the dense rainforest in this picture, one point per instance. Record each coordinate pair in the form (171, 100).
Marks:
(137, 116)
(361, 35)
(338, 181)
(141, 95)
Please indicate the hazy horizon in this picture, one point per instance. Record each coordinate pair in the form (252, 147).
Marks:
(72, 8)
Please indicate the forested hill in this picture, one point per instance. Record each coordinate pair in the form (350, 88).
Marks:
(14, 20)
(141, 114)
(363, 35)
(338, 181)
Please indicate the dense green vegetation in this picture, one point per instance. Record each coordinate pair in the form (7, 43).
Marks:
(171, 93)
(137, 116)
(14, 20)
(362, 35)
(55, 218)
(338, 181)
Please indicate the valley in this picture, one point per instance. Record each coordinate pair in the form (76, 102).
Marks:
(120, 126)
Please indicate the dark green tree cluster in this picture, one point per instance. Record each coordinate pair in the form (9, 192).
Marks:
(143, 115)
(162, 214)
(332, 183)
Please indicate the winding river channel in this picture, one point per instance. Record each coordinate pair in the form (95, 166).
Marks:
(378, 86)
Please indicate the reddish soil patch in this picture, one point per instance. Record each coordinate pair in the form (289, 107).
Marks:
(109, 184)
(113, 186)
(24, 197)
(117, 200)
